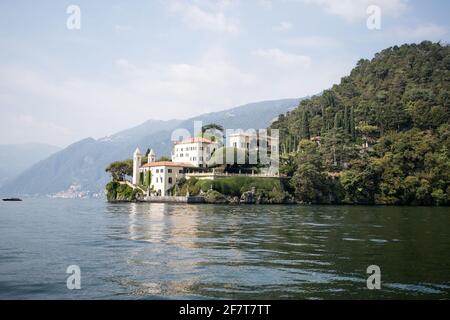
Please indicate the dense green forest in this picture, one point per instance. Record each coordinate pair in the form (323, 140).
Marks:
(382, 136)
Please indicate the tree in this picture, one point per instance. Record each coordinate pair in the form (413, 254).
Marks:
(309, 182)
(217, 127)
(384, 131)
(211, 128)
(337, 121)
(148, 178)
(352, 124)
(360, 182)
(305, 133)
(346, 121)
(120, 169)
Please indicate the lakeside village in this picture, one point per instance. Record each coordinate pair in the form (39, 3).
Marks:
(242, 167)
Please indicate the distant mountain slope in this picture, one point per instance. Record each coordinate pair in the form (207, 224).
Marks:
(15, 158)
(83, 163)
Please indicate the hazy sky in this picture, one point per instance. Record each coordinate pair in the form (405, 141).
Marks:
(137, 60)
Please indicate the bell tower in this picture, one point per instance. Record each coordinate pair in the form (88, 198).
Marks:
(151, 156)
(137, 161)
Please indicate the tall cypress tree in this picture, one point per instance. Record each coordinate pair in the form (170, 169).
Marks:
(324, 120)
(305, 132)
(346, 121)
(352, 124)
(337, 120)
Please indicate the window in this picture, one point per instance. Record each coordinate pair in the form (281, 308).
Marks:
(234, 144)
(157, 170)
(180, 171)
(170, 180)
(169, 170)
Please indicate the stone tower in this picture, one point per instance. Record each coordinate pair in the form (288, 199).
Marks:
(137, 161)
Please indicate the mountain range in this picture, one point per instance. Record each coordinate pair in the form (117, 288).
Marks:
(81, 166)
(15, 158)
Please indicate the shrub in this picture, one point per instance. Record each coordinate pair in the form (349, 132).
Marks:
(213, 196)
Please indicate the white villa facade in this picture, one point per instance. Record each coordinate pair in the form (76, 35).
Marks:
(164, 174)
(249, 140)
(196, 151)
(242, 140)
(189, 158)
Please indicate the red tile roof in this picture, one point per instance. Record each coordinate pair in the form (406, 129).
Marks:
(193, 140)
(167, 164)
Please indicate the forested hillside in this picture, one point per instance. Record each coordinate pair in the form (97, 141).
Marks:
(381, 136)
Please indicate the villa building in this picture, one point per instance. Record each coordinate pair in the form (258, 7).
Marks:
(249, 140)
(196, 151)
(190, 159)
(163, 174)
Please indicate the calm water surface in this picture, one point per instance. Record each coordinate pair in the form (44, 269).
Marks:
(154, 251)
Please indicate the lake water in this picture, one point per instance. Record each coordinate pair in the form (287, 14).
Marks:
(154, 251)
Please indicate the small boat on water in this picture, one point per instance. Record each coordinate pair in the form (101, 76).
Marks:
(12, 199)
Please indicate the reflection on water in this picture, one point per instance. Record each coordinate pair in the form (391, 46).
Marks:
(202, 251)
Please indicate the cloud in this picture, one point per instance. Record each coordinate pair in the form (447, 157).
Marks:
(266, 4)
(313, 41)
(30, 121)
(354, 10)
(77, 107)
(281, 58)
(121, 28)
(210, 18)
(25, 128)
(63, 109)
(425, 31)
(283, 26)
